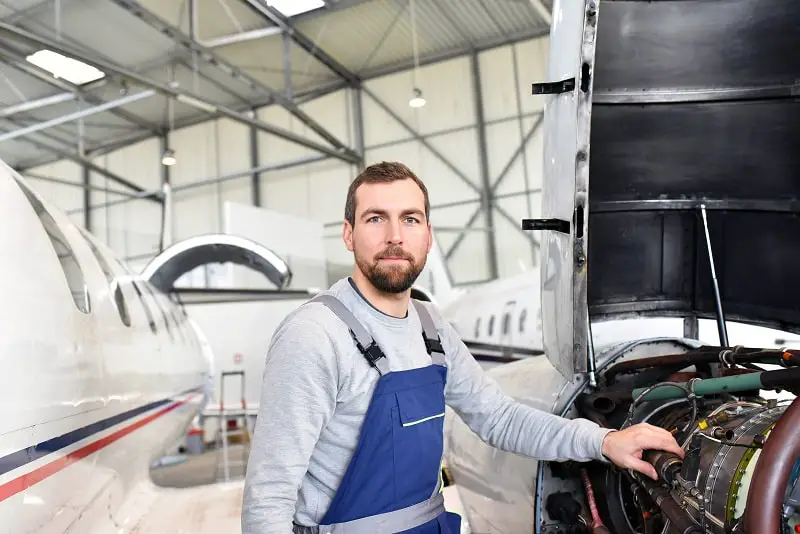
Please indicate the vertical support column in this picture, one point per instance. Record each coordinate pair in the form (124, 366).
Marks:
(486, 190)
(524, 155)
(87, 193)
(357, 103)
(287, 64)
(193, 19)
(255, 179)
(87, 198)
(165, 236)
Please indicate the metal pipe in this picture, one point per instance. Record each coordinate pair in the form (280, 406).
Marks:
(242, 37)
(744, 382)
(36, 104)
(76, 115)
(680, 520)
(592, 363)
(772, 472)
(723, 331)
(702, 355)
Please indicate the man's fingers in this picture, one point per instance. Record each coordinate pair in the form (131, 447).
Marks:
(653, 437)
(643, 467)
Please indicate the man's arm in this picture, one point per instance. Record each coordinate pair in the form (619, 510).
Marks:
(507, 424)
(298, 395)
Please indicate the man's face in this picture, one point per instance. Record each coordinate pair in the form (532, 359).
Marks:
(391, 237)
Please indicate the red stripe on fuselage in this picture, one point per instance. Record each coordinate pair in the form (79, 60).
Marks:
(23, 482)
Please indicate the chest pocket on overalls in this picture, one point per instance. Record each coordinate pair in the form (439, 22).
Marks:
(418, 440)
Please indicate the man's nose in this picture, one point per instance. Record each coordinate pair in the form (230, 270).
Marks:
(395, 232)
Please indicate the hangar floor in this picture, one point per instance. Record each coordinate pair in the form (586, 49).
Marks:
(208, 504)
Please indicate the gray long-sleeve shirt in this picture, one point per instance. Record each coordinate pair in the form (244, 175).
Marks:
(315, 392)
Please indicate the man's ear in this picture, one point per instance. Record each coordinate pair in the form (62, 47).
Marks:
(347, 235)
(430, 237)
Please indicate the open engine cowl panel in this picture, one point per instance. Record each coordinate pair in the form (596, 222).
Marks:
(673, 105)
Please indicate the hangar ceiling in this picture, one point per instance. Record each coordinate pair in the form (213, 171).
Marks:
(164, 64)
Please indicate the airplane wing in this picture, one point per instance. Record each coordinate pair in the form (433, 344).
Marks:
(191, 295)
(490, 352)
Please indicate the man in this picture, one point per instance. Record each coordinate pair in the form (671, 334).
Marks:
(349, 432)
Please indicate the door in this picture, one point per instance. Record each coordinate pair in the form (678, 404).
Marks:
(568, 94)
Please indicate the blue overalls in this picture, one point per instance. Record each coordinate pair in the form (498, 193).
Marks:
(392, 483)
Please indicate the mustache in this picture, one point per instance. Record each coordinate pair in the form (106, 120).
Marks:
(394, 252)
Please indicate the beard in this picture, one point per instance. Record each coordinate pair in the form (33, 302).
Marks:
(394, 277)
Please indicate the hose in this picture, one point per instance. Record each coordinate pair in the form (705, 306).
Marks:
(771, 474)
(597, 524)
(779, 378)
(730, 356)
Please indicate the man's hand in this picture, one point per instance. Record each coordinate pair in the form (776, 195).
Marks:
(625, 447)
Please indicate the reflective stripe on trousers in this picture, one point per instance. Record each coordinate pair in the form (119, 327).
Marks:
(393, 479)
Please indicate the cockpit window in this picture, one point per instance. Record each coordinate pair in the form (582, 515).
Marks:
(150, 320)
(69, 263)
(152, 294)
(119, 297)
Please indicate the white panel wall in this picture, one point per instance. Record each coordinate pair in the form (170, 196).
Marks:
(451, 165)
(130, 228)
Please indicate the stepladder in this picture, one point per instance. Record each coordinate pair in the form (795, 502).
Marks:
(234, 426)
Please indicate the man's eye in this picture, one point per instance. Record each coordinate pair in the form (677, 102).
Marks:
(412, 220)
(373, 219)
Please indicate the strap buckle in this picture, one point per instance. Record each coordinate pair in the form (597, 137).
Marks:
(433, 345)
(372, 353)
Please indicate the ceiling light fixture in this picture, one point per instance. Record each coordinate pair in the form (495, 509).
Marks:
(290, 8)
(168, 158)
(417, 101)
(67, 68)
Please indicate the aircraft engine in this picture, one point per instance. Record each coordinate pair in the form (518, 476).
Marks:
(742, 450)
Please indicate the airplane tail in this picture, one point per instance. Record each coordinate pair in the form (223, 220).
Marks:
(439, 279)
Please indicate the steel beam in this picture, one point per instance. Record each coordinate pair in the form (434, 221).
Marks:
(358, 124)
(255, 179)
(516, 224)
(82, 185)
(520, 149)
(421, 139)
(63, 154)
(460, 238)
(76, 115)
(287, 65)
(276, 17)
(16, 60)
(136, 9)
(217, 180)
(186, 97)
(326, 89)
(542, 11)
(518, 96)
(483, 155)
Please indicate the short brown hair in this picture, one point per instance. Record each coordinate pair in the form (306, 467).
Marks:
(381, 173)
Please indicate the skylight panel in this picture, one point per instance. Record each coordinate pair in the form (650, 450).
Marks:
(290, 8)
(67, 68)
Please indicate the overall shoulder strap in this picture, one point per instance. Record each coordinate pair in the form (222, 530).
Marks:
(432, 342)
(365, 343)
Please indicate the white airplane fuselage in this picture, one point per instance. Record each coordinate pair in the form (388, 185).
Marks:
(88, 400)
